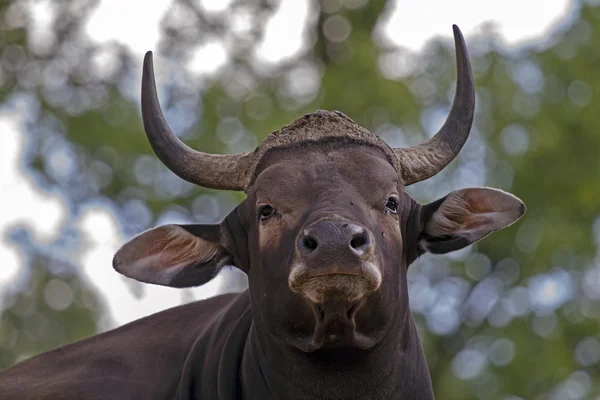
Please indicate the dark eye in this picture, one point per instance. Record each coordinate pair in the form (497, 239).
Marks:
(265, 212)
(391, 205)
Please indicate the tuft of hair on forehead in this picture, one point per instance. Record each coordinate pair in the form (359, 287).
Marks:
(329, 128)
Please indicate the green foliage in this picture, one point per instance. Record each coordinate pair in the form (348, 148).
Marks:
(53, 309)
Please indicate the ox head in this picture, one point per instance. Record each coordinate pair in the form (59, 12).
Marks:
(327, 231)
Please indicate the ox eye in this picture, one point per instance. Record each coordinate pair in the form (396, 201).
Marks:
(265, 212)
(391, 205)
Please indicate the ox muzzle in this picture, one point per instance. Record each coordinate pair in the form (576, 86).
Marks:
(334, 270)
(335, 260)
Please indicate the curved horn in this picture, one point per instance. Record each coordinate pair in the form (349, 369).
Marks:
(427, 159)
(209, 170)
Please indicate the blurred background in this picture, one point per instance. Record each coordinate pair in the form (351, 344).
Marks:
(514, 317)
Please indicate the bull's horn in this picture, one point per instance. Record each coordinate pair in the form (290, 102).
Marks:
(209, 170)
(427, 159)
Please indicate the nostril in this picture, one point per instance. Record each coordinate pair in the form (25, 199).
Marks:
(358, 241)
(310, 243)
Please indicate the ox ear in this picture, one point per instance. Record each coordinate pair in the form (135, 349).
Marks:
(174, 255)
(466, 216)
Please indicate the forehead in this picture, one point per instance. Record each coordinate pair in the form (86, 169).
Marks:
(314, 168)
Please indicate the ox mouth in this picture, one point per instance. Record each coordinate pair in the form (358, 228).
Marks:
(317, 274)
(334, 323)
(334, 327)
(335, 296)
(352, 285)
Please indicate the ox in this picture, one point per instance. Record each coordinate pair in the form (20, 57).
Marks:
(326, 235)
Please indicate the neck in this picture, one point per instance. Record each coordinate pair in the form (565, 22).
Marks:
(394, 369)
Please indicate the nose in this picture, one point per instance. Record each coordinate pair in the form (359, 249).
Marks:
(335, 242)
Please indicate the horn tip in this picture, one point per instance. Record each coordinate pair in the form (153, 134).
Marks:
(457, 31)
(148, 57)
(148, 67)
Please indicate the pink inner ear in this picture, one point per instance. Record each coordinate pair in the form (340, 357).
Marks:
(160, 254)
(180, 248)
(474, 222)
(176, 247)
(166, 247)
(484, 200)
(481, 210)
(149, 249)
(488, 209)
